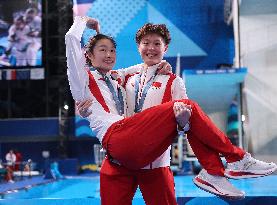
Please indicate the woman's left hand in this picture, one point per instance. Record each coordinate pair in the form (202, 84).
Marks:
(83, 108)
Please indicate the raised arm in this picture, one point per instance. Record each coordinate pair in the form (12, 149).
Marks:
(76, 71)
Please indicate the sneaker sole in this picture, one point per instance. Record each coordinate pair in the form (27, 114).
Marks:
(205, 186)
(245, 175)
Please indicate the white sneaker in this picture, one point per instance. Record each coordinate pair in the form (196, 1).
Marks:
(217, 185)
(249, 167)
(11, 181)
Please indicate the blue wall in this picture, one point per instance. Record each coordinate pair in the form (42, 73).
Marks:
(197, 28)
(32, 136)
(82, 149)
(34, 127)
(29, 127)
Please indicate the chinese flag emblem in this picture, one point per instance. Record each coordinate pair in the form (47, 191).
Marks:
(156, 85)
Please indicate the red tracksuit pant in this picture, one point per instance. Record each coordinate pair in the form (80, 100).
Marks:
(138, 140)
(118, 185)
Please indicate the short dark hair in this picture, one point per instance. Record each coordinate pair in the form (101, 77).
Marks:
(150, 28)
(92, 42)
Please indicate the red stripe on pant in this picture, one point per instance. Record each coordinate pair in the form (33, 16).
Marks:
(138, 140)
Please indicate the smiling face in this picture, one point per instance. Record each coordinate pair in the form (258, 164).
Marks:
(152, 48)
(152, 40)
(103, 55)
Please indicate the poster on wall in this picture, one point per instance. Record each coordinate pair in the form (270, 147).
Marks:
(21, 40)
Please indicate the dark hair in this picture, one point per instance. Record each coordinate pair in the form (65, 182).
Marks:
(19, 18)
(150, 28)
(92, 42)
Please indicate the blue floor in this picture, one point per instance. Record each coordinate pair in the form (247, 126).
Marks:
(23, 183)
(258, 191)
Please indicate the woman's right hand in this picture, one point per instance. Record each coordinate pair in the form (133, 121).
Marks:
(182, 113)
(93, 24)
